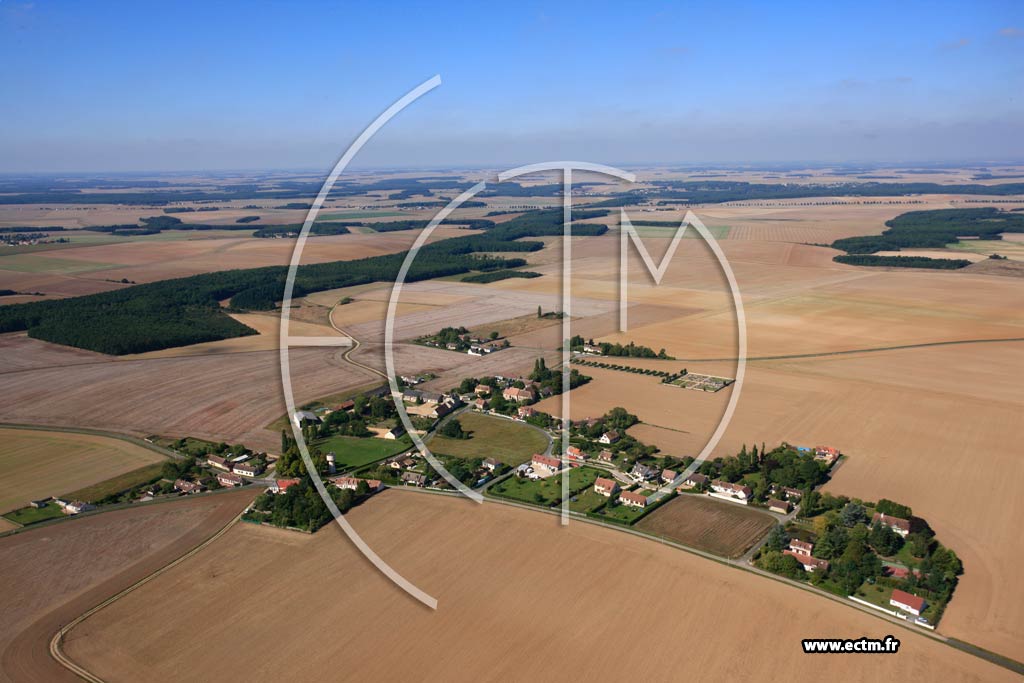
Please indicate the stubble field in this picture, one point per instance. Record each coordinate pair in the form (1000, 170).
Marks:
(37, 464)
(719, 527)
(493, 586)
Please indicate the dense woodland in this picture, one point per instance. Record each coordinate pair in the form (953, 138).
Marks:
(929, 230)
(185, 311)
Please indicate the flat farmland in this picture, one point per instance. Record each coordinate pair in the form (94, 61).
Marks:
(37, 464)
(53, 574)
(219, 397)
(505, 554)
(718, 527)
(492, 437)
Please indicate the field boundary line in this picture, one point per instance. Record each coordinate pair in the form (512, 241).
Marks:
(55, 643)
(166, 452)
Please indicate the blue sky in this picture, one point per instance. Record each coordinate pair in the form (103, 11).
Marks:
(148, 86)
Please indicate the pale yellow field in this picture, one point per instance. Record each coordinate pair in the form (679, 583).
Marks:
(37, 464)
(510, 583)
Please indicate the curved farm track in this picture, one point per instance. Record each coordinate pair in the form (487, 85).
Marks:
(46, 599)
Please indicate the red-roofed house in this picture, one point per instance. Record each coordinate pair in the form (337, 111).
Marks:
(633, 499)
(809, 563)
(525, 412)
(518, 395)
(826, 453)
(801, 547)
(282, 485)
(897, 524)
(907, 602)
(605, 456)
(575, 453)
(548, 463)
(668, 476)
(605, 487)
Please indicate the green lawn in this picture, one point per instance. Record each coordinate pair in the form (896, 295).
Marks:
(351, 451)
(492, 437)
(31, 515)
(122, 482)
(587, 500)
(626, 514)
(545, 491)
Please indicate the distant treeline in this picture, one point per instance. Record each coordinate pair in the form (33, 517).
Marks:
(189, 209)
(440, 204)
(902, 261)
(928, 230)
(712, 192)
(248, 219)
(52, 228)
(495, 275)
(185, 311)
(292, 230)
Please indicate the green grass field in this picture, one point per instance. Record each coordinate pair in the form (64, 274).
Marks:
(352, 452)
(31, 515)
(492, 437)
(626, 514)
(587, 500)
(545, 491)
(122, 482)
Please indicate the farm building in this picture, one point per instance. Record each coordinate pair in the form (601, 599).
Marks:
(548, 463)
(668, 476)
(610, 437)
(693, 481)
(282, 485)
(809, 563)
(229, 479)
(780, 506)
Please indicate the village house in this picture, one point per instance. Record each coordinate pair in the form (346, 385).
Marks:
(693, 481)
(482, 390)
(633, 499)
(417, 396)
(352, 483)
(801, 547)
(738, 491)
(643, 472)
(519, 395)
(668, 476)
(826, 454)
(229, 479)
(491, 464)
(218, 462)
(809, 563)
(346, 406)
(75, 507)
(591, 348)
(605, 487)
(605, 456)
(394, 433)
(897, 524)
(780, 506)
(547, 463)
(481, 404)
(245, 469)
(609, 437)
(575, 453)
(907, 602)
(282, 485)
(186, 486)
(790, 493)
(401, 462)
(525, 412)
(414, 478)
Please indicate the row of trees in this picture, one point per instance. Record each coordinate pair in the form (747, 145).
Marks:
(630, 350)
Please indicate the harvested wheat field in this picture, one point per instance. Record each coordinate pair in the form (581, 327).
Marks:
(55, 573)
(716, 526)
(491, 568)
(37, 464)
(225, 396)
